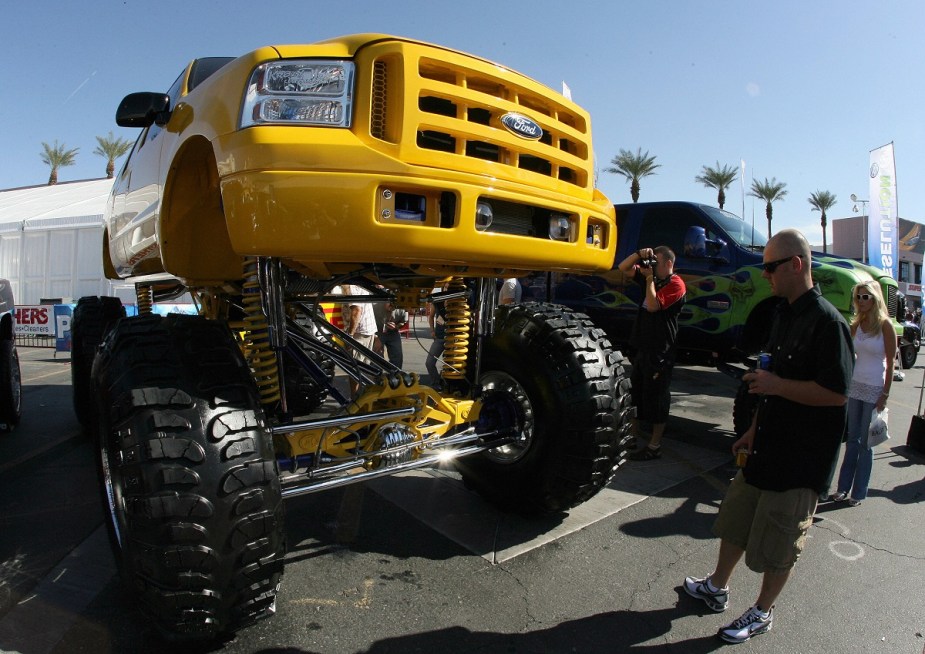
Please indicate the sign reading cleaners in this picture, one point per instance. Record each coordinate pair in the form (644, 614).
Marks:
(35, 320)
(882, 249)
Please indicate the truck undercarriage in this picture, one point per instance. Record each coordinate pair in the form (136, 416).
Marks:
(206, 423)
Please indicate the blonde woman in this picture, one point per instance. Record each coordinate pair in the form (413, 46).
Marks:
(875, 354)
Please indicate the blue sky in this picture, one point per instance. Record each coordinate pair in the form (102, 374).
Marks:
(801, 90)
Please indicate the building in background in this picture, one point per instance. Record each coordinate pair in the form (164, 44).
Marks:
(849, 239)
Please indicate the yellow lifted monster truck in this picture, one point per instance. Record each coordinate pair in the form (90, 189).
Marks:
(258, 185)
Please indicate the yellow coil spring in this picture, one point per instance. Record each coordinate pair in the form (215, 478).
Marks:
(144, 298)
(257, 350)
(456, 345)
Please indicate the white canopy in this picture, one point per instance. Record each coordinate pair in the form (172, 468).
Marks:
(51, 241)
(64, 205)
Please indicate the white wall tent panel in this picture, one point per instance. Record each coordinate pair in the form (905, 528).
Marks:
(87, 274)
(10, 249)
(51, 241)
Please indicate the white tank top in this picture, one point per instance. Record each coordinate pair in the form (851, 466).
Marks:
(870, 364)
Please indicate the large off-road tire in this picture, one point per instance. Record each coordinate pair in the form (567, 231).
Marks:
(743, 409)
(10, 386)
(567, 388)
(190, 484)
(93, 318)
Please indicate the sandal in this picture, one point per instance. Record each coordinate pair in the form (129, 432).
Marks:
(840, 497)
(646, 454)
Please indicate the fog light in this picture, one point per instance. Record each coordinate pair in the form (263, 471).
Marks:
(560, 228)
(594, 236)
(483, 216)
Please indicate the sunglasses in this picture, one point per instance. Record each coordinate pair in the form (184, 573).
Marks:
(771, 266)
(863, 296)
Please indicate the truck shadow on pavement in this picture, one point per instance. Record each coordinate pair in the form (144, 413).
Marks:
(357, 520)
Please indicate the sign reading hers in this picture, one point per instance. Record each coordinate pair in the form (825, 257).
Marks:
(36, 320)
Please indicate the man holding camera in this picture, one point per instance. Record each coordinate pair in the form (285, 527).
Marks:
(653, 339)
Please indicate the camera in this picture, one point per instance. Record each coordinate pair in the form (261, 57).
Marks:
(648, 263)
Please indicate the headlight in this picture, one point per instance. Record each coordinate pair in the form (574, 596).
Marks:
(300, 92)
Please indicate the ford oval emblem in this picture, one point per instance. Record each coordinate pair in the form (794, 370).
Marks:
(522, 126)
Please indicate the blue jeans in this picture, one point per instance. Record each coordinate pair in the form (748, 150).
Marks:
(859, 459)
(434, 378)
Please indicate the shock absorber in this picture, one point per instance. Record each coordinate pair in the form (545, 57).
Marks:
(144, 298)
(456, 345)
(257, 348)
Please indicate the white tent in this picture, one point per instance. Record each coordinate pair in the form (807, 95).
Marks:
(51, 242)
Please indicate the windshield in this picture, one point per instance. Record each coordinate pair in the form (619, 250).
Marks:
(738, 230)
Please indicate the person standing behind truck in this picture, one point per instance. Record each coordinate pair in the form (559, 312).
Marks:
(394, 320)
(511, 292)
(361, 326)
(653, 339)
(436, 320)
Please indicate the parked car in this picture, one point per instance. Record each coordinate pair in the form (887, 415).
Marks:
(10, 376)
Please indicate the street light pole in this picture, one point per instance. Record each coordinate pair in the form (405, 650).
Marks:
(864, 219)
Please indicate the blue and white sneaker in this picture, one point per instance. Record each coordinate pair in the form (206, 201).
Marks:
(717, 600)
(752, 623)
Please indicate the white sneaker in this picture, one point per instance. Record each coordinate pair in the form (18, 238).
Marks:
(716, 600)
(752, 623)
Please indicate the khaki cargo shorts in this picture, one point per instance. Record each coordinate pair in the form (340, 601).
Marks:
(770, 526)
(367, 342)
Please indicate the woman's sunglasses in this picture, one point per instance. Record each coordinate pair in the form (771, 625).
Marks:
(863, 296)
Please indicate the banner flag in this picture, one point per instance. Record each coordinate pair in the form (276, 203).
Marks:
(882, 246)
(742, 180)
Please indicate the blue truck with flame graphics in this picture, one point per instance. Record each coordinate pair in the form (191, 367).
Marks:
(729, 305)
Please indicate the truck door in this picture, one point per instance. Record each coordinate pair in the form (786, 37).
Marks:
(707, 270)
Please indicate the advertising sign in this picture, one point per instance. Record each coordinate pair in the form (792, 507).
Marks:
(882, 248)
(63, 327)
(35, 320)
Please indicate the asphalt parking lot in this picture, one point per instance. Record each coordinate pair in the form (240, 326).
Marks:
(418, 563)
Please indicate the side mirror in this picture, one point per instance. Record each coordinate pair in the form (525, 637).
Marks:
(697, 245)
(715, 247)
(695, 242)
(143, 109)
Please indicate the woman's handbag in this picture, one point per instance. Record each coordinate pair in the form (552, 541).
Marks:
(915, 440)
(878, 431)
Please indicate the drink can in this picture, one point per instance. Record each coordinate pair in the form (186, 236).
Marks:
(764, 360)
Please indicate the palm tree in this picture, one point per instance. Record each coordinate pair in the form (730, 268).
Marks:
(718, 178)
(769, 192)
(822, 201)
(57, 157)
(112, 148)
(633, 167)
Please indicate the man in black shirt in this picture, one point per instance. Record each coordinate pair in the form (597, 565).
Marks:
(792, 442)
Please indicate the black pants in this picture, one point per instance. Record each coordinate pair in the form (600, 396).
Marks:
(391, 342)
(651, 380)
